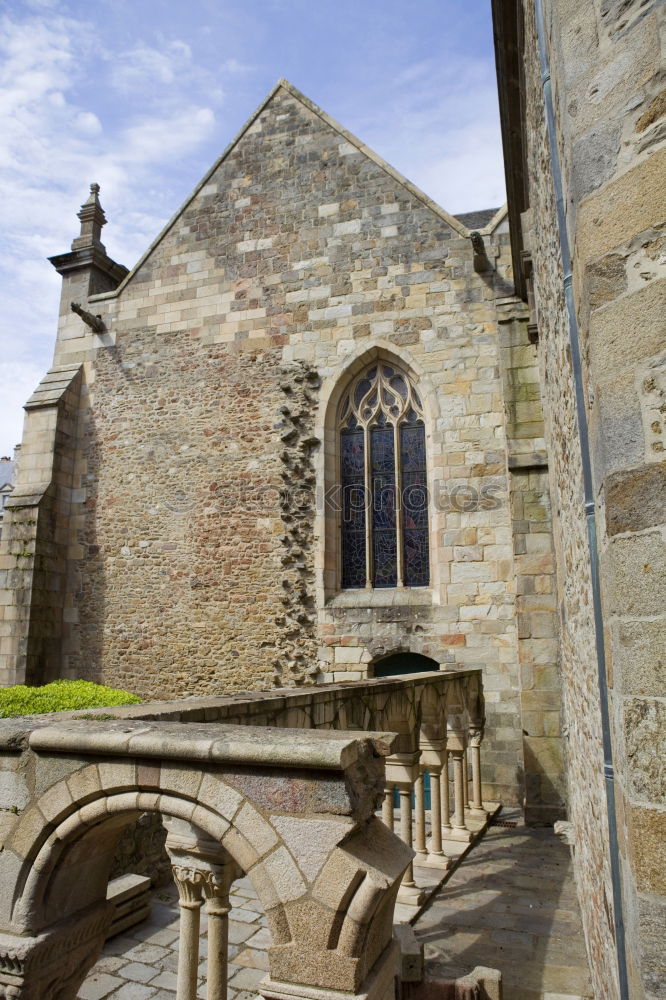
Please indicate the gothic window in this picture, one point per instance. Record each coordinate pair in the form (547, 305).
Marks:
(384, 536)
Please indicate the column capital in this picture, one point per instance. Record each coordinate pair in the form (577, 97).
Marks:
(190, 884)
(475, 735)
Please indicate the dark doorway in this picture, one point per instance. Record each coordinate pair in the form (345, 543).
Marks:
(404, 663)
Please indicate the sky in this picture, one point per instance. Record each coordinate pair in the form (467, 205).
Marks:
(142, 96)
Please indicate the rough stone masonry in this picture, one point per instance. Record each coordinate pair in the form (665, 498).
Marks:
(169, 532)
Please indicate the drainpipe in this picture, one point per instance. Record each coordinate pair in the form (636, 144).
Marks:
(589, 507)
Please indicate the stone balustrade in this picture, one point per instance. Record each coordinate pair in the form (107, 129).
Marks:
(238, 791)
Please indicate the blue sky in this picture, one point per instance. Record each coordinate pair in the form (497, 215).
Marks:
(143, 95)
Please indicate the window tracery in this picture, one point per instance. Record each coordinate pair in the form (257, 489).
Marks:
(381, 430)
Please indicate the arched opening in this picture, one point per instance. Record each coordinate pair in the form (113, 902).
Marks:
(403, 663)
(406, 663)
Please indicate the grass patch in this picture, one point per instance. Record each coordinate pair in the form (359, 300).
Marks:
(60, 696)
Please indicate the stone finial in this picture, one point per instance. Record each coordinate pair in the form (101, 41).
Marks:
(92, 219)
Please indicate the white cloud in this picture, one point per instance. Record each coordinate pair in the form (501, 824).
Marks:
(19, 380)
(58, 136)
(145, 65)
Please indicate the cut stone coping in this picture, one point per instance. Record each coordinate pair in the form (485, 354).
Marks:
(217, 743)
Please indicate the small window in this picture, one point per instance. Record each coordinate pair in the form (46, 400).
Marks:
(384, 534)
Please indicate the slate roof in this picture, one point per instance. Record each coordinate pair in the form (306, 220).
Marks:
(6, 473)
(477, 220)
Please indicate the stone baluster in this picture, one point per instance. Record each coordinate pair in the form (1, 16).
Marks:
(444, 791)
(475, 738)
(419, 820)
(189, 882)
(456, 748)
(433, 756)
(388, 813)
(433, 762)
(402, 770)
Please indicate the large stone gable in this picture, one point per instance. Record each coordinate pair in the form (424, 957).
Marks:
(201, 558)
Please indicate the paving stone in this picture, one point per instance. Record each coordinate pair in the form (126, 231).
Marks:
(240, 932)
(167, 980)
(247, 916)
(252, 958)
(247, 979)
(149, 953)
(98, 986)
(134, 991)
(519, 887)
(137, 972)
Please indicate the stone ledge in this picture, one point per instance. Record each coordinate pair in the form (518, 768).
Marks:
(310, 749)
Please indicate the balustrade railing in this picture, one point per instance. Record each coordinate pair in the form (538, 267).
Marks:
(237, 795)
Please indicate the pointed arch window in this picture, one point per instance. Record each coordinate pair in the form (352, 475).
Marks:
(384, 523)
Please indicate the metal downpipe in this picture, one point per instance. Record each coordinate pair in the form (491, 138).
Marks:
(589, 507)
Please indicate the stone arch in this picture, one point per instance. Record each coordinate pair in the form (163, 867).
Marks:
(333, 386)
(60, 832)
(347, 893)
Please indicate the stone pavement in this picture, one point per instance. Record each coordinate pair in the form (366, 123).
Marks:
(142, 964)
(511, 904)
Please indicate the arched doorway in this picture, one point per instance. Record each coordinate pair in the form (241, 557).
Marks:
(403, 663)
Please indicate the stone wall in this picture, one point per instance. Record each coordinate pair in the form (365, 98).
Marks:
(605, 67)
(204, 556)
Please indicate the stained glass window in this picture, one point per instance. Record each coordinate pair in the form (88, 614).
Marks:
(384, 539)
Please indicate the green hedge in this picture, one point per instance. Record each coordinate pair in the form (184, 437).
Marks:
(60, 696)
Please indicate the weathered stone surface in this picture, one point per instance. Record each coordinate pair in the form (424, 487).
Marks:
(639, 655)
(635, 498)
(594, 157)
(653, 965)
(645, 736)
(648, 838)
(636, 573)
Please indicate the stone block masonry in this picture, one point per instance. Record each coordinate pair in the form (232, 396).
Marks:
(606, 70)
(202, 556)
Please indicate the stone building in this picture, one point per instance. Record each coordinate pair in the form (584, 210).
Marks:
(582, 101)
(309, 329)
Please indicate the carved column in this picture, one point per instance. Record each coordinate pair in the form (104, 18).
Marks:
(420, 821)
(388, 813)
(203, 872)
(475, 738)
(444, 790)
(189, 882)
(432, 760)
(456, 748)
(465, 781)
(402, 769)
(216, 886)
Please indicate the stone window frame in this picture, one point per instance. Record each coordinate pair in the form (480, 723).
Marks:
(381, 396)
(327, 528)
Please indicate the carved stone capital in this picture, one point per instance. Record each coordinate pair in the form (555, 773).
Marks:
(190, 884)
(475, 736)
